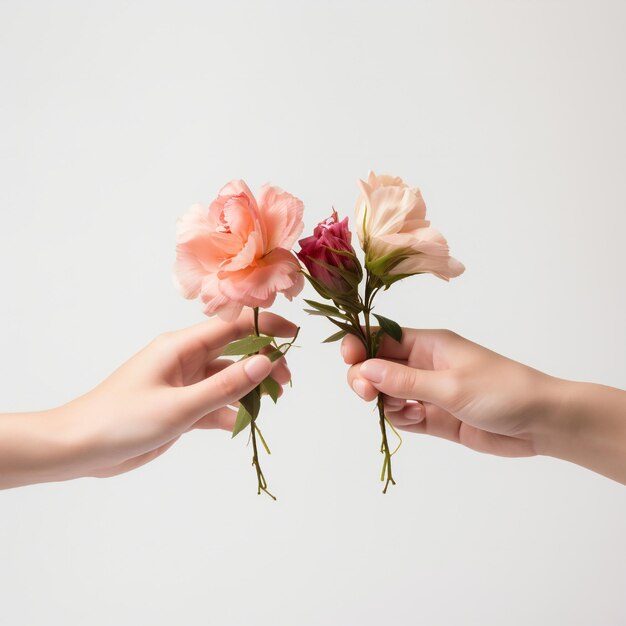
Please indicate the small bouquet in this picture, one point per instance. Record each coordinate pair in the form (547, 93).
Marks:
(398, 242)
(235, 253)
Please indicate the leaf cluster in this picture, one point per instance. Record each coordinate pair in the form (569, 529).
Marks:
(250, 404)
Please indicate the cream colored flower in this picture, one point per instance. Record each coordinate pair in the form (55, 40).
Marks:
(395, 235)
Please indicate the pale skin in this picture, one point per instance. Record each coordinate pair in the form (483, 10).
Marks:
(434, 382)
(438, 383)
(175, 384)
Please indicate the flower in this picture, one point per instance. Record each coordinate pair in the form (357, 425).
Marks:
(236, 252)
(330, 247)
(397, 239)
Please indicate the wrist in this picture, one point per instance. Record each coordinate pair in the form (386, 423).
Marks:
(555, 424)
(585, 423)
(37, 447)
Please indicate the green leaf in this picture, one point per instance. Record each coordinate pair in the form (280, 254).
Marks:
(247, 345)
(274, 356)
(390, 280)
(321, 290)
(349, 277)
(252, 402)
(243, 420)
(345, 253)
(327, 308)
(390, 327)
(336, 337)
(326, 313)
(271, 387)
(347, 327)
(382, 266)
(348, 304)
(349, 255)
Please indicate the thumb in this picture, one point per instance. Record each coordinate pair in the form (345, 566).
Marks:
(226, 386)
(401, 381)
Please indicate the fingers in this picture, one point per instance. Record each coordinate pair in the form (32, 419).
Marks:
(416, 344)
(435, 421)
(280, 372)
(401, 381)
(494, 443)
(394, 404)
(406, 414)
(363, 388)
(225, 387)
(133, 463)
(214, 366)
(215, 332)
(269, 324)
(223, 419)
(352, 350)
(432, 420)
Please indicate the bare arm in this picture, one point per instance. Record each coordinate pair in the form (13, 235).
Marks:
(175, 384)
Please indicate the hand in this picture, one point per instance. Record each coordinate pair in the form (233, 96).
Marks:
(438, 383)
(175, 384)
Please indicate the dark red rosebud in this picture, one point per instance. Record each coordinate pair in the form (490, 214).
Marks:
(330, 257)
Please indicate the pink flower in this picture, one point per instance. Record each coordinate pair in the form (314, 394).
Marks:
(329, 236)
(395, 235)
(236, 252)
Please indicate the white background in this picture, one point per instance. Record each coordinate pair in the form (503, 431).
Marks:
(115, 116)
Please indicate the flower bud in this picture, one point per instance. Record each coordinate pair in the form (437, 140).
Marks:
(330, 258)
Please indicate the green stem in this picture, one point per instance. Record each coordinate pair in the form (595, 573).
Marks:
(370, 292)
(256, 321)
(385, 444)
(258, 430)
(366, 314)
(261, 482)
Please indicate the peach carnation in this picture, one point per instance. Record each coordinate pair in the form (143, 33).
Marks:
(236, 251)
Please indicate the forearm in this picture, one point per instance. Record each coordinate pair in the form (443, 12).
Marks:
(587, 426)
(35, 447)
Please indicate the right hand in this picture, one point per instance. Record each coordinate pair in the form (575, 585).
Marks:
(438, 383)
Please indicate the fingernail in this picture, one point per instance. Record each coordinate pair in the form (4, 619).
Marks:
(360, 387)
(373, 370)
(394, 403)
(257, 367)
(414, 412)
(343, 351)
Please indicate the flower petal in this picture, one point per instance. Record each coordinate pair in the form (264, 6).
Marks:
(229, 312)
(281, 214)
(386, 206)
(238, 187)
(384, 180)
(424, 240)
(445, 267)
(239, 216)
(216, 303)
(278, 271)
(252, 249)
(194, 254)
(296, 288)
(394, 210)
(188, 274)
